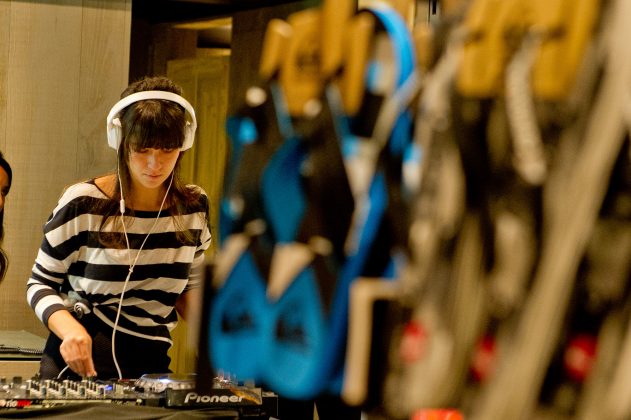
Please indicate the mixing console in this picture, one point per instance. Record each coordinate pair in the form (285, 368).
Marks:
(168, 390)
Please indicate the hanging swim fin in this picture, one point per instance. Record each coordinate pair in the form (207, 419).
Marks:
(238, 320)
(297, 340)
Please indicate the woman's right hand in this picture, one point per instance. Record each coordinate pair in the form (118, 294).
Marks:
(76, 349)
(76, 345)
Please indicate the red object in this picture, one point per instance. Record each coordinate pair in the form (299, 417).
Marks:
(484, 357)
(437, 414)
(413, 342)
(579, 356)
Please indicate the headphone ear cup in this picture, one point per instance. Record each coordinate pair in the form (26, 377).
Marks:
(115, 134)
(189, 136)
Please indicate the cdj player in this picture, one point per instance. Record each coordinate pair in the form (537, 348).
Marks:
(159, 390)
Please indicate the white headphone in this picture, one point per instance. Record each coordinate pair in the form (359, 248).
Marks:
(115, 130)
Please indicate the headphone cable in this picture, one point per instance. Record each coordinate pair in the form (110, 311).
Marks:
(131, 265)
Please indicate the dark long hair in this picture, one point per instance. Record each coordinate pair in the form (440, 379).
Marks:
(151, 123)
(4, 260)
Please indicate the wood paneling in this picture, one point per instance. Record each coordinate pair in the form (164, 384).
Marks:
(5, 28)
(62, 65)
(106, 28)
(205, 84)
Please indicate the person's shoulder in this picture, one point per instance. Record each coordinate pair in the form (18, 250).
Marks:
(80, 191)
(82, 188)
(196, 189)
(198, 199)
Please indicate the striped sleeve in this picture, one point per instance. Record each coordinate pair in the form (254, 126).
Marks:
(58, 249)
(197, 267)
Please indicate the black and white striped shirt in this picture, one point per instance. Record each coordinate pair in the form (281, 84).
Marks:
(72, 258)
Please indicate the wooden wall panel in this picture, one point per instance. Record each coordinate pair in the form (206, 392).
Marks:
(41, 131)
(66, 64)
(205, 84)
(106, 28)
(204, 81)
(5, 28)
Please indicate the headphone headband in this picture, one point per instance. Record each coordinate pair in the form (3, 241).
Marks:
(114, 128)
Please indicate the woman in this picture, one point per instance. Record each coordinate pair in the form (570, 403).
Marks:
(5, 184)
(122, 253)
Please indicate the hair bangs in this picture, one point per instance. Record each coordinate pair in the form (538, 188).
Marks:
(156, 124)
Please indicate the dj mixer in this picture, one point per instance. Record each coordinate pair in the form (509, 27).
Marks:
(158, 390)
